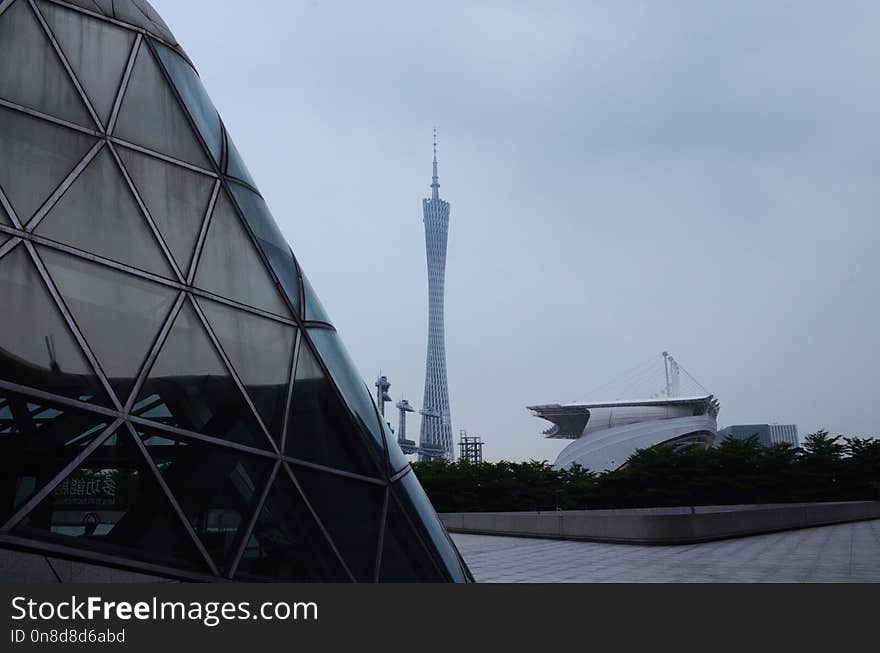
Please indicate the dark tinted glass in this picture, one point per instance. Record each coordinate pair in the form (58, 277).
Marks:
(113, 504)
(194, 97)
(151, 116)
(319, 427)
(44, 154)
(36, 347)
(258, 216)
(216, 488)
(96, 50)
(4, 220)
(37, 439)
(189, 387)
(230, 265)
(286, 543)
(99, 214)
(119, 314)
(351, 385)
(350, 511)
(235, 166)
(422, 513)
(270, 240)
(314, 309)
(283, 264)
(260, 351)
(176, 198)
(404, 556)
(396, 458)
(31, 72)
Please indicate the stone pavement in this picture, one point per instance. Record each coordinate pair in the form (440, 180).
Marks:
(839, 553)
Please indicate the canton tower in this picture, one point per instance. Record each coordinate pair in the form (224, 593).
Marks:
(435, 437)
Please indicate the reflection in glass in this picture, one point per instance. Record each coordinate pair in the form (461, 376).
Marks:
(176, 198)
(120, 315)
(36, 346)
(314, 309)
(319, 428)
(99, 214)
(270, 240)
(95, 49)
(396, 459)
(235, 166)
(258, 216)
(404, 556)
(31, 73)
(286, 543)
(216, 488)
(197, 102)
(151, 116)
(44, 154)
(422, 513)
(37, 439)
(189, 387)
(113, 504)
(260, 351)
(350, 511)
(283, 264)
(230, 265)
(351, 385)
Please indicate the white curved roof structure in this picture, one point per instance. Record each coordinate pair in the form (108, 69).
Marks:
(606, 434)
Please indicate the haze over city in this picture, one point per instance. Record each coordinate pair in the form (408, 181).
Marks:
(625, 178)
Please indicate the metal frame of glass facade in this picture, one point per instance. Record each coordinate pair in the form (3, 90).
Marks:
(189, 382)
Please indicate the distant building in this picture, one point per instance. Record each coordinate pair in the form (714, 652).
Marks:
(435, 437)
(768, 434)
(607, 433)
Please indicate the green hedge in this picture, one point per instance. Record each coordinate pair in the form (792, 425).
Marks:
(738, 471)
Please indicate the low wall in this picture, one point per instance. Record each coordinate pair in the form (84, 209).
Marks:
(678, 525)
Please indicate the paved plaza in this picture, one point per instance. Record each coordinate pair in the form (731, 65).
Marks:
(839, 553)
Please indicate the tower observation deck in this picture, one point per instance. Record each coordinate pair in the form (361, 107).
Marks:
(435, 436)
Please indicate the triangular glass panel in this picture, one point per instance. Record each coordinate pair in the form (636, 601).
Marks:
(37, 440)
(260, 350)
(286, 543)
(319, 429)
(217, 488)
(176, 198)
(314, 308)
(151, 116)
(36, 346)
(4, 219)
(235, 166)
(270, 240)
(119, 314)
(350, 511)
(416, 503)
(351, 385)
(230, 265)
(31, 73)
(194, 97)
(96, 50)
(99, 214)
(44, 155)
(113, 504)
(189, 387)
(404, 556)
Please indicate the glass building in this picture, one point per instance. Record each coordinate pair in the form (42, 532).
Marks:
(174, 400)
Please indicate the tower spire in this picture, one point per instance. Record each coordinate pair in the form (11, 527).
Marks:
(435, 180)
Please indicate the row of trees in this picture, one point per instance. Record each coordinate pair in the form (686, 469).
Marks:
(738, 471)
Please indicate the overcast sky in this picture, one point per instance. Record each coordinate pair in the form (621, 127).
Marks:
(625, 177)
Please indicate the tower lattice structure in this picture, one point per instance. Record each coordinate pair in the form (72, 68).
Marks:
(435, 437)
